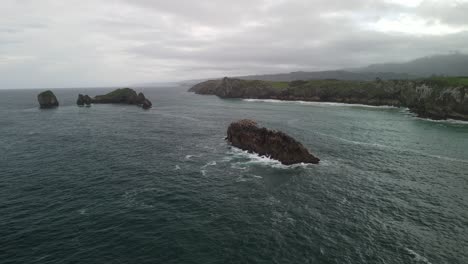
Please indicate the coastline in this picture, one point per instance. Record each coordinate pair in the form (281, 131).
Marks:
(319, 103)
(426, 98)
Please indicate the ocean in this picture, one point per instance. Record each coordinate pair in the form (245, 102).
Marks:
(117, 184)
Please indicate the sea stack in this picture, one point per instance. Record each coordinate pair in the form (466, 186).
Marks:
(123, 96)
(246, 135)
(83, 100)
(47, 99)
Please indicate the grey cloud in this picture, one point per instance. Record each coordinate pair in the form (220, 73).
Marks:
(453, 13)
(119, 42)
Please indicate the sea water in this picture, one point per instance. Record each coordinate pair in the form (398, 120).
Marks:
(117, 184)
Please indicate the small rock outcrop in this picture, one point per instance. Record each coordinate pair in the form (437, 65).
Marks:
(119, 96)
(246, 135)
(146, 104)
(47, 99)
(84, 100)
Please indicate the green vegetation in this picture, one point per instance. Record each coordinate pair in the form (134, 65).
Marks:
(437, 97)
(121, 92)
(328, 89)
(280, 85)
(449, 81)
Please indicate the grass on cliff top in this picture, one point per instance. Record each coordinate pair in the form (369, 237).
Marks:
(280, 85)
(450, 81)
(120, 92)
(304, 88)
(325, 83)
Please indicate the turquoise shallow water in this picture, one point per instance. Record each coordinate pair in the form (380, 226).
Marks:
(116, 184)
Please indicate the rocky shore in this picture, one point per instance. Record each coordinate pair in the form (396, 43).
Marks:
(427, 98)
(246, 135)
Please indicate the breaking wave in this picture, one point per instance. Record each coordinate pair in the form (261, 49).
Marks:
(417, 257)
(255, 159)
(318, 103)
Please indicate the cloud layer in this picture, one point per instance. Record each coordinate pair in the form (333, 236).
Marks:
(56, 43)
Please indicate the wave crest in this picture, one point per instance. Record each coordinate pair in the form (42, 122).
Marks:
(318, 103)
(255, 159)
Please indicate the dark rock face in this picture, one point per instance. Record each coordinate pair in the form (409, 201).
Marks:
(84, 100)
(235, 88)
(47, 99)
(119, 96)
(146, 104)
(140, 98)
(246, 135)
(425, 98)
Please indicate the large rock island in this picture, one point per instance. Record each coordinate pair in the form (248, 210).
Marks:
(119, 96)
(246, 135)
(47, 99)
(436, 98)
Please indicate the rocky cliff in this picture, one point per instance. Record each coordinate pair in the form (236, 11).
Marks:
(246, 135)
(436, 99)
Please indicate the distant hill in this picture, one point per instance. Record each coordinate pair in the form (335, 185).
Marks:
(320, 75)
(447, 65)
(450, 65)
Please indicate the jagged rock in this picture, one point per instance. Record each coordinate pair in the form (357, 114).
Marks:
(84, 100)
(246, 135)
(87, 100)
(80, 100)
(47, 99)
(141, 98)
(146, 104)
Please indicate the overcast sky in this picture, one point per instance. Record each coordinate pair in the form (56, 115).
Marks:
(86, 43)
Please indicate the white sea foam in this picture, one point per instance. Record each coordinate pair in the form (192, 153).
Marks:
(444, 121)
(238, 166)
(317, 103)
(417, 257)
(177, 167)
(211, 163)
(248, 177)
(241, 179)
(189, 157)
(227, 159)
(82, 211)
(255, 159)
(203, 172)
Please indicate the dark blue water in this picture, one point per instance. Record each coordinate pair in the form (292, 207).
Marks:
(116, 184)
